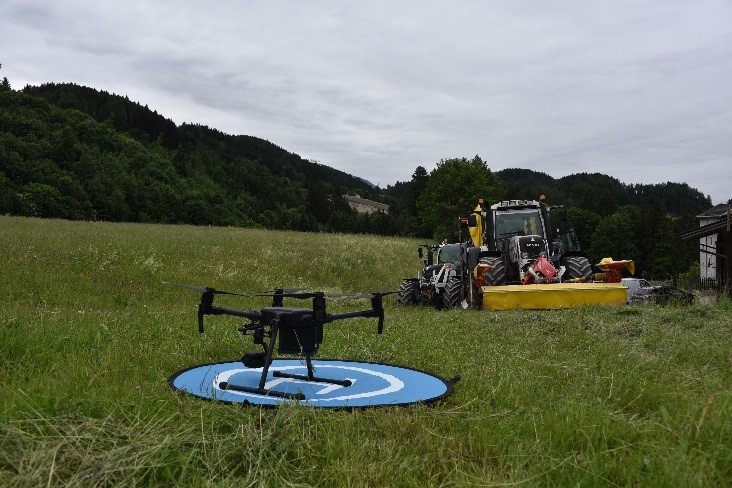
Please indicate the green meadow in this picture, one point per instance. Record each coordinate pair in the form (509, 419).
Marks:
(89, 334)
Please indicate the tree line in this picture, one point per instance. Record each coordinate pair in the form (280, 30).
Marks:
(611, 219)
(73, 152)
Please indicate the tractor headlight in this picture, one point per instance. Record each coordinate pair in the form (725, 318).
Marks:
(524, 255)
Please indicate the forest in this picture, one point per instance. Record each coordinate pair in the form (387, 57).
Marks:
(74, 152)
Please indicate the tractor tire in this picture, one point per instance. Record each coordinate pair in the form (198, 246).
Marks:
(577, 267)
(497, 275)
(407, 294)
(453, 293)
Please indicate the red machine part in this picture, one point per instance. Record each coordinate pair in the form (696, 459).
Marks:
(540, 269)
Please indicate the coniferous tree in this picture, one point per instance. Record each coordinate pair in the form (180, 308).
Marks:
(5, 84)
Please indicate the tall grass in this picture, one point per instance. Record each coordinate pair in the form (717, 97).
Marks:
(88, 336)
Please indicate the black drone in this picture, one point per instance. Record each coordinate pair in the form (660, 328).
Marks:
(299, 330)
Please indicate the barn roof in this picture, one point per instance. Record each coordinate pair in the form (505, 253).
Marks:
(706, 230)
(716, 211)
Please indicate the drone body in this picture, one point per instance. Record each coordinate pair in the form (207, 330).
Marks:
(300, 333)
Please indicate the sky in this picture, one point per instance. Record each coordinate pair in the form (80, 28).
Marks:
(640, 90)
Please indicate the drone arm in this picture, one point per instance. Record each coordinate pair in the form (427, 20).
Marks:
(206, 307)
(233, 312)
(377, 311)
(350, 315)
(362, 313)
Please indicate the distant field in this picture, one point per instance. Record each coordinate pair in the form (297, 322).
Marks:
(610, 396)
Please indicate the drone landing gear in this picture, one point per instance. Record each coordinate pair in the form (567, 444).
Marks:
(261, 390)
(224, 385)
(310, 376)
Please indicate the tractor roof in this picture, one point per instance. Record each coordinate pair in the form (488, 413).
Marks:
(516, 204)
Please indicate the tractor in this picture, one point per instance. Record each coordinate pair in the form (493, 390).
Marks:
(524, 254)
(516, 233)
(438, 279)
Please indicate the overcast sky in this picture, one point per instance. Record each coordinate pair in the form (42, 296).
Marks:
(637, 89)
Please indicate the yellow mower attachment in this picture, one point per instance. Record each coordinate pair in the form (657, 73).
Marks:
(552, 296)
(612, 269)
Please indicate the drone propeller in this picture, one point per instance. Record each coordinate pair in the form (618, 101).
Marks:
(280, 291)
(291, 295)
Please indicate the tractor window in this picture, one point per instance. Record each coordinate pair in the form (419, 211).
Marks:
(511, 223)
(449, 253)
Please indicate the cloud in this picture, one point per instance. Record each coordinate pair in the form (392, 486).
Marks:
(637, 90)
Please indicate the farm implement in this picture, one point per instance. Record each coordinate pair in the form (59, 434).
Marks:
(516, 258)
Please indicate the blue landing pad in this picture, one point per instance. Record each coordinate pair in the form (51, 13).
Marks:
(372, 384)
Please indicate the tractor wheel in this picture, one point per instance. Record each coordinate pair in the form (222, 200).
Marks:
(577, 267)
(407, 294)
(497, 275)
(452, 295)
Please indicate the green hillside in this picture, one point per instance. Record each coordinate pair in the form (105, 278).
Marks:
(603, 194)
(74, 152)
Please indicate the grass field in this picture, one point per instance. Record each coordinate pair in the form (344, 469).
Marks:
(608, 396)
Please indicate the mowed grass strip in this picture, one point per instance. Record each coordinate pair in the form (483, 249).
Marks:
(89, 335)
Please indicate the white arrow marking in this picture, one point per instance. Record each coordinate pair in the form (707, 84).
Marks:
(330, 388)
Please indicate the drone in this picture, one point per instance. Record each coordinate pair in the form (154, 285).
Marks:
(296, 331)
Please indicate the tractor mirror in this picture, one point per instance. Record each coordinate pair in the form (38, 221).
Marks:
(419, 251)
(472, 221)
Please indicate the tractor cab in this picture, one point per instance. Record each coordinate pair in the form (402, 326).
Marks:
(517, 218)
(520, 222)
(450, 253)
(519, 231)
